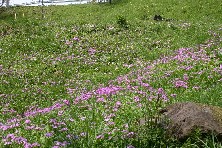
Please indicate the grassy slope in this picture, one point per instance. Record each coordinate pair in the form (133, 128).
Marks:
(39, 68)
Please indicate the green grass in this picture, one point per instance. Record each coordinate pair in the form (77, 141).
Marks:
(85, 75)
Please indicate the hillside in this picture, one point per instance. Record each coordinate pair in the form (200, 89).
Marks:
(84, 75)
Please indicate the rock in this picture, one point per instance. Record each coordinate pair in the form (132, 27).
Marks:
(182, 119)
(158, 18)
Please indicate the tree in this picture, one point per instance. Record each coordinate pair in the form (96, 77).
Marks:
(5, 1)
(2, 3)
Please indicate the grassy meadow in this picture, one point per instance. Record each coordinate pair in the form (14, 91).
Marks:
(86, 75)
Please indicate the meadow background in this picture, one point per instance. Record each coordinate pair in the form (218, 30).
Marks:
(87, 75)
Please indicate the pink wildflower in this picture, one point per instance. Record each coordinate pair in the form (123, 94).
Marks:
(92, 51)
(185, 77)
(179, 83)
(118, 104)
(27, 121)
(136, 99)
(100, 100)
(66, 102)
(49, 134)
(76, 39)
(100, 136)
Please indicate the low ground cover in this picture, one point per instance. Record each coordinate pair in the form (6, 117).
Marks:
(85, 76)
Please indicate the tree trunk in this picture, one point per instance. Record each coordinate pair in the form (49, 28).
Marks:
(7, 3)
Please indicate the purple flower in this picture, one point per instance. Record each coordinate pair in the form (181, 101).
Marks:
(110, 123)
(36, 144)
(106, 119)
(92, 51)
(29, 127)
(196, 87)
(179, 83)
(27, 145)
(71, 119)
(66, 102)
(187, 67)
(70, 91)
(60, 113)
(145, 84)
(130, 146)
(27, 121)
(64, 129)
(108, 90)
(83, 97)
(115, 109)
(76, 39)
(160, 91)
(126, 125)
(136, 99)
(100, 136)
(164, 97)
(4, 127)
(185, 77)
(69, 136)
(11, 136)
(83, 118)
(63, 144)
(173, 95)
(139, 105)
(83, 134)
(118, 104)
(49, 134)
(68, 42)
(20, 140)
(100, 100)
(130, 134)
(7, 143)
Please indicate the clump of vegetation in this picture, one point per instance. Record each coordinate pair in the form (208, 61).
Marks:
(122, 22)
(77, 79)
